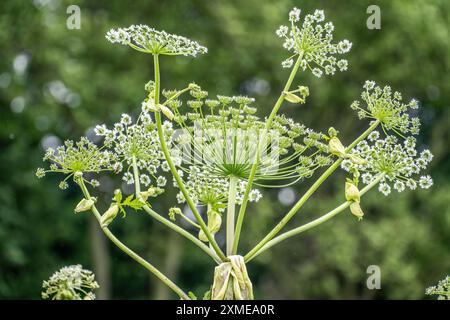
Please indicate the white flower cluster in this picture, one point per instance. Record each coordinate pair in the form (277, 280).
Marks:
(205, 188)
(149, 40)
(140, 141)
(400, 163)
(312, 40)
(70, 283)
(388, 107)
(224, 132)
(442, 289)
(82, 156)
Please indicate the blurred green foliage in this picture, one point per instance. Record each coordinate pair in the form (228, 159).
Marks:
(57, 83)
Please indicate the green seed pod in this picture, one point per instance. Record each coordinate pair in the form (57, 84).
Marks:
(336, 147)
(85, 205)
(109, 215)
(351, 192)
(356, 210)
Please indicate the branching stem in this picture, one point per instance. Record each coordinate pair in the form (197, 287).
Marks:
(173, 169)
(309, 193)
(272, 115)
(169, 223)
(130, 252)
(312, 224)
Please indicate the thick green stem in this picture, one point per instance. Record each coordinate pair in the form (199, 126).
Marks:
(173, 169)
(130, 252)
(312, 224)
(254, 168)
(231, 213)
(167, 222)
(308, 193)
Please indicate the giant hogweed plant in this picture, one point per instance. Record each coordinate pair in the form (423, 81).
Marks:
(220, 154)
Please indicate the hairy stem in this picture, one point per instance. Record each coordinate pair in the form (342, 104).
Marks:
(312, 224)
(167, 222)
(130, 252)
(173, 169)
(272, 115)
(309, 193)
(230, 214)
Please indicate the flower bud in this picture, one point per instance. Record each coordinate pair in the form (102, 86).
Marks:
(214, 221)
(173, 212)
(85, 205)
(202, 236)
(194, 86)
(166, 111)
(304, 91)
(336, 147)
(149, 193)
(151, 105)
(150, 86)
(356, 210)
(332, 132)
(109, 215)
(293, 98)
(117, 195)
(351, 192)
(77, 175)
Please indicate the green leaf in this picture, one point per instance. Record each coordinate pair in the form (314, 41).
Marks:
(136, 204)
(123, 211)
(128, 200)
